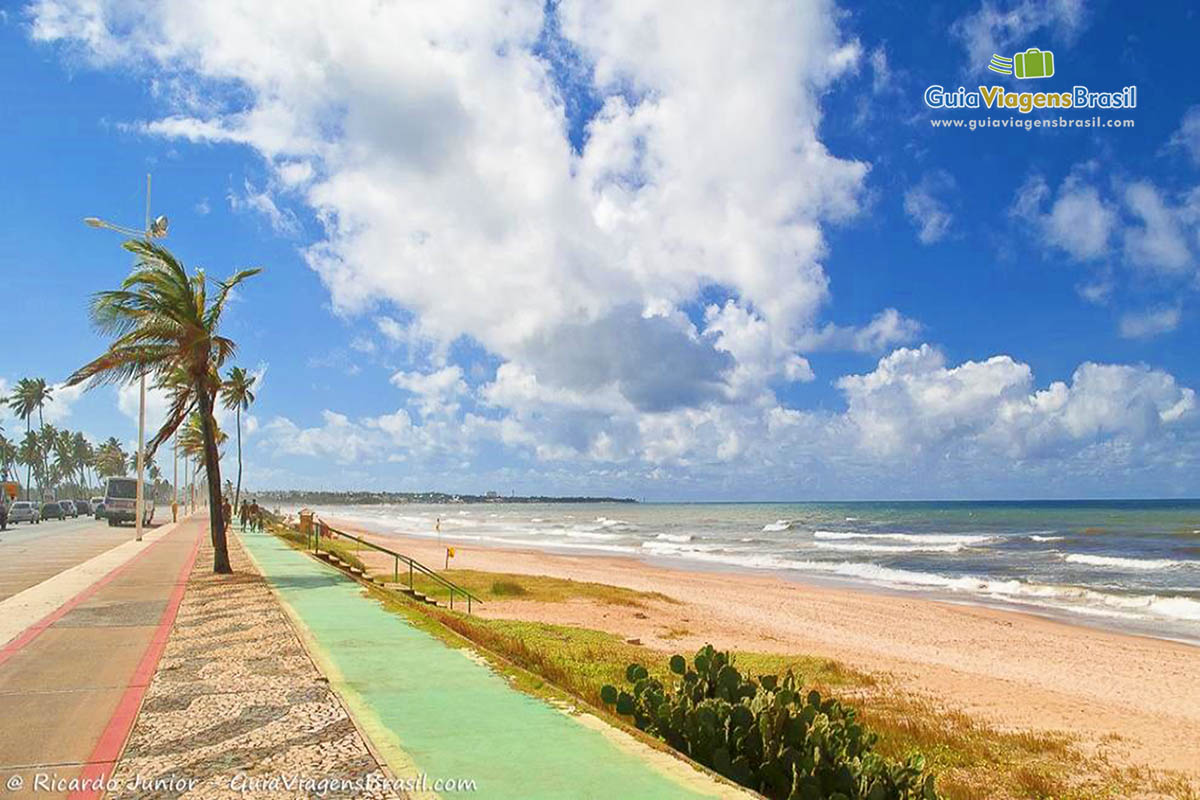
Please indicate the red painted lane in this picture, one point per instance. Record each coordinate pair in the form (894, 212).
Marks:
(26, 636)
(108, 748)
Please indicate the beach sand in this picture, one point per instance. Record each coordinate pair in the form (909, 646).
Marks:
(1134, 699)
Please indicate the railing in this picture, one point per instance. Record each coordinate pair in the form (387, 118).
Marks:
(319, 527)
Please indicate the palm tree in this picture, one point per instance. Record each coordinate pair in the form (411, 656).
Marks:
(64, 457)
(29, 395)
(163, 324)
(30, 454)
(110, 458)
(47, 438)
(8, 456)
(84, 457)
(237, 395)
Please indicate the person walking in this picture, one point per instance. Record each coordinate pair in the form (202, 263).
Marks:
(227, 511)
(244, 513)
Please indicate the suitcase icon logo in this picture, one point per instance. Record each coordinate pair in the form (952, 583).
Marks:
(1033, 63)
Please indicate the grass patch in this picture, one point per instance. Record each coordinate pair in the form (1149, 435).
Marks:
(540, 588)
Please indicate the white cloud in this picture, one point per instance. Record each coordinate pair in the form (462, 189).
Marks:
(1188, 135)
(927, 208)
(886, 329)
(1152, 322)
(913, 401)
(260, 201)
(445, 182)
(1078, 222)
(1160, 242)
(1002, 27)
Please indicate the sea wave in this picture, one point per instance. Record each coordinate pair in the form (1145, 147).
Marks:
(777, 526)
(1035, 537)
(849, 547)
(1125, 563)
(673, 537)
(914, 538)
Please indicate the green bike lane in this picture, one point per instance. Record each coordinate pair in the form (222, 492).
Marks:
(434, 709)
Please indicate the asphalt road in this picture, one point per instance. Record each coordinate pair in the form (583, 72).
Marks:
(29, 554)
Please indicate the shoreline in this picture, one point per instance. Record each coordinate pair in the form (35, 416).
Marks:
(1132, 697)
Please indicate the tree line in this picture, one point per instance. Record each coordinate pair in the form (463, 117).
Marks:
(64, 464)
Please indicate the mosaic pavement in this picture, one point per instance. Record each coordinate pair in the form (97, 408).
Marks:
(237, 708)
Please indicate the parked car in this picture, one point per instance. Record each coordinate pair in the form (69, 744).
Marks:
(120, 502)
(23, 511)
(98, 507)
(83, 507)
(52, 511)
(68, 508)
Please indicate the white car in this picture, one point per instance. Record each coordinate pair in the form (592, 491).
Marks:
(23, 511)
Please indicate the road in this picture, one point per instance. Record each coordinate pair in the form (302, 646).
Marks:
(29, 554)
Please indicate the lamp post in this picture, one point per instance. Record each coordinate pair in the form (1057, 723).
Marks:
(155, 229)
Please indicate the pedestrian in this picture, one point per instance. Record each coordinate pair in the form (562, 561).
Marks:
(244, 512)
(226, 512)
(255, 518)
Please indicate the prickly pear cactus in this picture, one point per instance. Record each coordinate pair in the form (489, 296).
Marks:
(765, 733)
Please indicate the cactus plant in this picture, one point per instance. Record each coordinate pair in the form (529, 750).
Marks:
(766, 734)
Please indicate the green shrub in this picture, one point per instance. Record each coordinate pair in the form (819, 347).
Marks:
(511, 588)
(765, 734)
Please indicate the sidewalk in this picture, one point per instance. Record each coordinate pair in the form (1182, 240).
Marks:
(439, 710)
(237, 708)
(72, 681)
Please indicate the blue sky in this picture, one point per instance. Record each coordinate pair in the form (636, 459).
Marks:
(584, 249)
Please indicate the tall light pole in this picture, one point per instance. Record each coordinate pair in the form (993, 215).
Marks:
(155, 229)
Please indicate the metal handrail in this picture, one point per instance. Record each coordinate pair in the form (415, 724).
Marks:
(319, 525)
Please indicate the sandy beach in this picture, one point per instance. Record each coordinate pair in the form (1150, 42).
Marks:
(1134, 699)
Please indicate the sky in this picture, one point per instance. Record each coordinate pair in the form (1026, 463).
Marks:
(703, 251)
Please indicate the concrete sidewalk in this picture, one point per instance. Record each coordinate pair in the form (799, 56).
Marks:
(72, 682)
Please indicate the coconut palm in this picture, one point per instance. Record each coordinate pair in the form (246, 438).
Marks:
(30, 454)
(164, 323)
(8, 457)
(64, 457)
(236, 395)
(29, 395)
(84, 456)
(110, 458)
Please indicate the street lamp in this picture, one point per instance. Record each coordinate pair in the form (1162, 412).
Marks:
(155, 229)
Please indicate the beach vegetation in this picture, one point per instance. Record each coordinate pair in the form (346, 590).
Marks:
(765, 733)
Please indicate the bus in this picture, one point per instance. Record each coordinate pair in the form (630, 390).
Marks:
(120, 502)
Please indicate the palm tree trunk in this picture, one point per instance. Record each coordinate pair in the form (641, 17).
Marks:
(45, 469)
(213, 472)
(237, 493)
(28, 468)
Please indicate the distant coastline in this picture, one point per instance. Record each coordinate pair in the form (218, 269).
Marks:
(298, 496)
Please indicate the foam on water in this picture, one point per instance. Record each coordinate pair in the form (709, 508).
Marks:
(915, 538)
(1127, 563)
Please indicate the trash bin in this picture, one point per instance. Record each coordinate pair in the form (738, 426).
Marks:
(306, 518)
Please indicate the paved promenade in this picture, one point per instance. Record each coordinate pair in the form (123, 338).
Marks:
(237, 708)
(430, 708)
(71, 681)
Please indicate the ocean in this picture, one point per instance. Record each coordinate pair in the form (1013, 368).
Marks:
(1127, 565)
